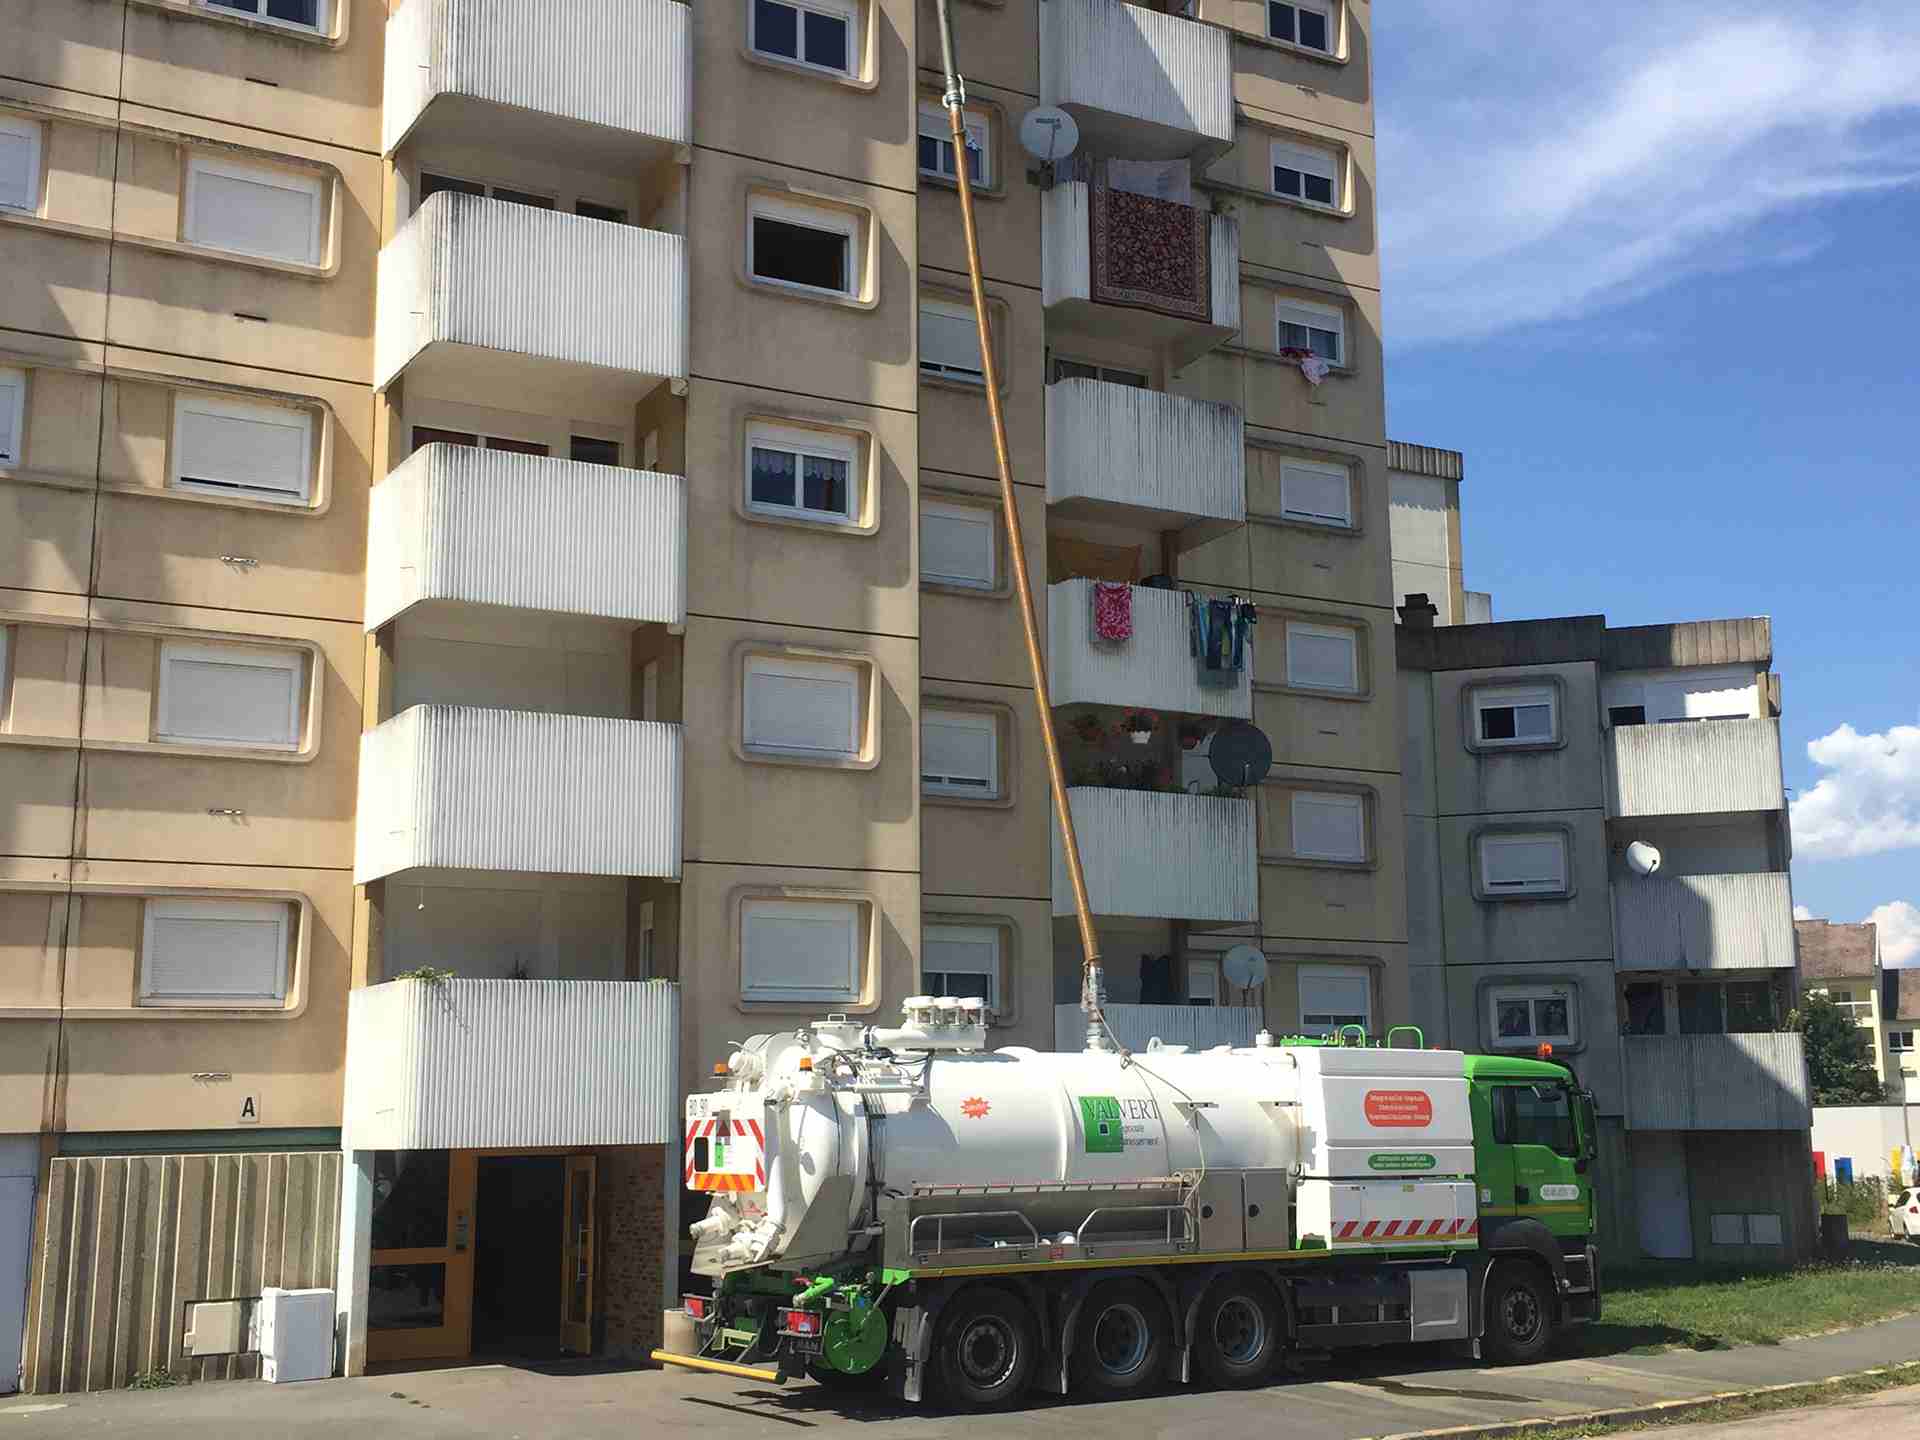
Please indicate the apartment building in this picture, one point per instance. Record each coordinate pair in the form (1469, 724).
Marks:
(1899, 1024)
(1539, 755)
(505, 597)
(1842, 962)
(1423, 483)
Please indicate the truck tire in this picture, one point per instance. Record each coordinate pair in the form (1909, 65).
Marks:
(1120, 1341)
(1519, 1314)
(986, 1351)
(1238, 1332)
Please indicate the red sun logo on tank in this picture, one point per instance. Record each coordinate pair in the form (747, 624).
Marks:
(974, 1108)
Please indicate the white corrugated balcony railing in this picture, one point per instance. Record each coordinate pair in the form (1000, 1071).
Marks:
(1699, 767)
(465, 788)
(491, 527)
(489, 275)
(1703, 922)
(612, 75)
(1716, 1082)
(1199, 1027)
(1136, 454)
(1156, 669)
(1162, 855)
(470, 1063)
(1141, 85)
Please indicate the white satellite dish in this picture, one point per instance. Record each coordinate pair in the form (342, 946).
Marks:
(1049, 133)
(1244, 966)
(1642, 858)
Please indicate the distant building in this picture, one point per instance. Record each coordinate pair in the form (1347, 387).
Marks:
(1842, 962)
(1423, 490)
(1899, 1025)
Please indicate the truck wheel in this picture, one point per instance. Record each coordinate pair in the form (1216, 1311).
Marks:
(1238, 1333)
(1519, 1314)
(1120, 1343)
(986, 1350)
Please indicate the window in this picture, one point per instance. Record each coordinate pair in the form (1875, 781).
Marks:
(960, 753)
(950, 342)
(19, 163)
(1898, 1041)
(1323, 657)
(1618, 715)
(1530, 1015)
(253, 210)
(230, 695)
(1523, 864)
(962, 961)
(592, 450)
(302, 14)
(1064, 369)
(1534, 1115)
(809, 708)
(1317, 329)
(13, 416)
(1308, 26)
(1516, 715)
(959, 545)
(1646, 1008)
(1320, 494)
(1303, 173)
(817, 33)
(1854, 1002)
(432, 184)
(1335, 995)
(1203, 984)
(214, 952)
(1700, 1010)
(591, 210)
(1743, 1007)
(434, 435)
(936, 144)
(801, 474)
(1329, 827)
(223, 446)
(801, 246)
(801, 951)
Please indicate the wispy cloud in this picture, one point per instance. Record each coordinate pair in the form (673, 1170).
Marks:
(1596, 156)
(1868, 799)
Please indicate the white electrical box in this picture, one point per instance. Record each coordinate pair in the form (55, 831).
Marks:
(296, 1334)
(214, 1327)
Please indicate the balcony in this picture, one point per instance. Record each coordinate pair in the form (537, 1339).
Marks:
(481, 288)
(1716, 1082)
(489, 527)
(1144, 457)
(1120, 266)
(1198, 1027)
(598, 80)
(484, 1063)
(1702, 767)
(1165, 856)
(1155, 670)
(1141, 84)
(1703, 922)
(463, 788)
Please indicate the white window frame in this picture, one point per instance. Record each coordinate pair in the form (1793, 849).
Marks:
(776, 994)
(1532, 995)
(1105, 374)
(158, 909)
(1498, 839)
(256, 411)
(1516, 697)
(1344, 473)
(977, 720)
(35, 135)
(300, 184)
(1327, 800)
(1308, 160)
(823, 218)
(13, 408)
(1314, 317)
(1326, 632)
(993, 935)
(832, 8)
(293, 662)
(971, 515)
(255, 10)
(801, 667)
(958, 374)
(1312, 974)
(802, 444)
(1324, 11)
(1899, 1042)
(934, 125)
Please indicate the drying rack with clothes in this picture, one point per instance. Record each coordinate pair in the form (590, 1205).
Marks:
(1217, 636)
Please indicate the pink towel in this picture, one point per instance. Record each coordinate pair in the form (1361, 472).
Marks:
(1112, 611)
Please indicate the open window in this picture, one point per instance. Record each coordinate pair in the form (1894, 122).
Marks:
(1515, 716)
(811, 248)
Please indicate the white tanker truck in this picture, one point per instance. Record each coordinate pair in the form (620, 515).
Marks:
(904, 1207)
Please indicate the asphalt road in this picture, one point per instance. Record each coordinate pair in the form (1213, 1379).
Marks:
(1364, 1394)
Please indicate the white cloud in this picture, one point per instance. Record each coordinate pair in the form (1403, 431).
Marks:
(1899, 924)
(1598, 169)
(1869, 799)
(1801, 912)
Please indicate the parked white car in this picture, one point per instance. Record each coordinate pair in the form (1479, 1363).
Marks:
(1903, 1213)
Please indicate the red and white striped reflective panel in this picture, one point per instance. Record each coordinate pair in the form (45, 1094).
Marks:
(736, 1159)
(1374, 1232)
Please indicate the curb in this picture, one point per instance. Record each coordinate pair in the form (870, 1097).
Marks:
(1637, 1414)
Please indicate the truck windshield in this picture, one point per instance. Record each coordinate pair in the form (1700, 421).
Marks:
(1536, 1115)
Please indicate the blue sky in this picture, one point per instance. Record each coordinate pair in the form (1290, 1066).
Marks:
(1666, 297)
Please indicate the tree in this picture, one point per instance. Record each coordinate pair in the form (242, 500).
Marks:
(1839, 1054)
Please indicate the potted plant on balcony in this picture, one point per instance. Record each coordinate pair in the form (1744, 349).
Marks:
(1139, 725)
(1089, 729)
(1192, 732)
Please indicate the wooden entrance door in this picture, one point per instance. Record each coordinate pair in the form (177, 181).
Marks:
(420, 1273)
(577, 1248)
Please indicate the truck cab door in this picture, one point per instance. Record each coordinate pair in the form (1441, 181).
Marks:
(1533, 1125)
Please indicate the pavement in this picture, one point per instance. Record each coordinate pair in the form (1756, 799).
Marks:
(1361, 1394)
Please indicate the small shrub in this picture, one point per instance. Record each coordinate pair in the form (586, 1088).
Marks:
(155, 1380)
(426, 975)
(1863, 1202)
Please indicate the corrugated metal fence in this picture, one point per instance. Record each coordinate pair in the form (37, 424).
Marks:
(132, 1240)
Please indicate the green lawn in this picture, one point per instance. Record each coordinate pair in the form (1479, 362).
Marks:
(1708, 1308)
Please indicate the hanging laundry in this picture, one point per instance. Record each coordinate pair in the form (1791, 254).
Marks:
(1112, 611)
(1315, 369)
(1217, 636)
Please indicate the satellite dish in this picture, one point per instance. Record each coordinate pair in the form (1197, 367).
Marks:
(1642, 858)
(1241, 754)
(1244, 967)
(1049, 133)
